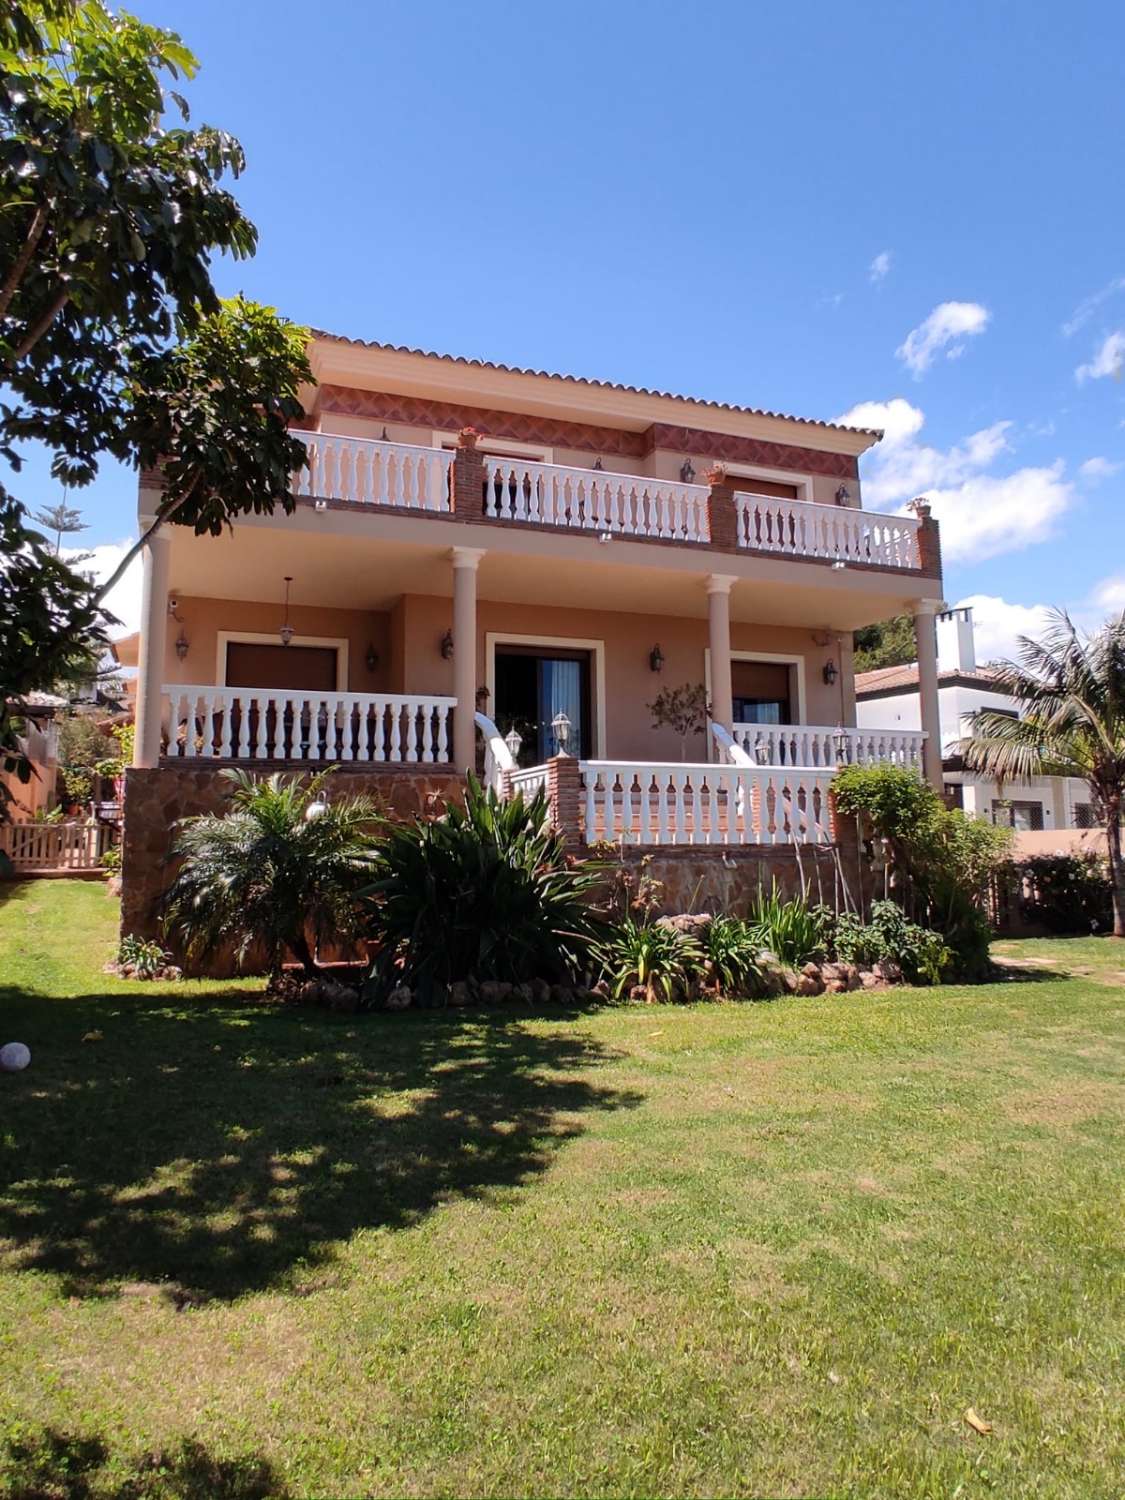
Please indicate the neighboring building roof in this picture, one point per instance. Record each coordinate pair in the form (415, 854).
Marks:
(883, 681)
(607, 385)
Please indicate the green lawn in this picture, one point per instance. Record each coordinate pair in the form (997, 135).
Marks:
(758, 1249)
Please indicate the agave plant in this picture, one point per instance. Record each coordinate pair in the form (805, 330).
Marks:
(653, 957)
(280, 870)
(486, 891)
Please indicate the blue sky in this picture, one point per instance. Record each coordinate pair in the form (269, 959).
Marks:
(916, 211)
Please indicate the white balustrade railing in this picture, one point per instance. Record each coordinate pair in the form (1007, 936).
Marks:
(821, 745)
(798, 528)
(374, 473)
(528, 781)
(669, 803)
(595, 500)
(54, 846)
(206, 723)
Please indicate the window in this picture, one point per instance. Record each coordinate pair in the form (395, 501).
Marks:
(1025, 817)
(761, 691)
(1084, 815)
(534, 685)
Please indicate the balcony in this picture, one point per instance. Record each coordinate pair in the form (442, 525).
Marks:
(819, 745)
(201, 723)
(516, 491)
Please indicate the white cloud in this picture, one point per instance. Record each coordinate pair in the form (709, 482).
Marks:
(879, 266)
(1095, 469)
(1108, 359)
(1089, 306)
(998, 624)
(982, 514)
(124, 599)
(947, 327)
(1043, 429)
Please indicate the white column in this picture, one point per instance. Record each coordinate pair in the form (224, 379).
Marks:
(718, 621)
(465, 563)
(925, 637)
(156, 558)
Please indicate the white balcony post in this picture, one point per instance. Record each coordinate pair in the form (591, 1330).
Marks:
(150, 663)
(925, 636)
(465, 563)
(718, 620)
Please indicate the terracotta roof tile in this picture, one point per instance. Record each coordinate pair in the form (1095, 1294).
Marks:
(605, 385)
(883, 679)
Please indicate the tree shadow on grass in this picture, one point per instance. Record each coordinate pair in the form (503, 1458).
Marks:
(53, 1465)
(209, 1147)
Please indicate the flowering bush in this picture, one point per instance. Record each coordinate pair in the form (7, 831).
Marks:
(1066, 892)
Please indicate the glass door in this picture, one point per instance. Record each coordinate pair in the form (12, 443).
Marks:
(533, 686)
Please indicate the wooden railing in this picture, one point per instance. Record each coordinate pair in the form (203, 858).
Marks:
(595, 500)
(46, 847)
(276, 724)
(821, 745)
(375, 473)
(797, 528)
(668, 803)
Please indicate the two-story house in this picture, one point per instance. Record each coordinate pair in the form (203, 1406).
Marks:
(481, 553)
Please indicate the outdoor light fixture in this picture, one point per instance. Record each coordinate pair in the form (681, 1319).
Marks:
(483, 695)
(561, 725)
(286, 632)
(317, 808)
(830, 673)
(843, 495)
(598, 465)
(656, 659)
(446, 647)
(371, 660)
(840, 738)
(513, 739)
(687, 473)
(182, 644)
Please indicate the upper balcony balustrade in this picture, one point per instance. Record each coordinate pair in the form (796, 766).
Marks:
(519, 491)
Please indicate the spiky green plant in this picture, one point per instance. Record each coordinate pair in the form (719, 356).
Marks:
(731, 953)
(1070, 690)
(788, 929)
(280, 870)
(662, 961)
(486, 891)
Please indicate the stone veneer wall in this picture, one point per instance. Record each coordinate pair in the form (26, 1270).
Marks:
(155, 799)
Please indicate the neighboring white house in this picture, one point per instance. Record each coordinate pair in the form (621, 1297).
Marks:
(888, 697)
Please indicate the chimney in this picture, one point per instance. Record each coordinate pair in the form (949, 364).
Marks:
(955, 647)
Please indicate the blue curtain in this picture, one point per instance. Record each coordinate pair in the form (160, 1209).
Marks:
(560, 691)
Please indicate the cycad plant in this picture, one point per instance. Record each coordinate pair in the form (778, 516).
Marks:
(1070, 689)
(280, 870)
(484, 892)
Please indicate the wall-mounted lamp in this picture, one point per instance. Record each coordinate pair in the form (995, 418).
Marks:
(286, 631)
(561, 725)
(182, 644)
(446, 647)
(830, 673)
(483, 695)
(687, 472)
(598, 465)
(843, 495)
(371, 660)
(320, 506)
(656, 659)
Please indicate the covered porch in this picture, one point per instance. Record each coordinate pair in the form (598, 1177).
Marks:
(381, 650)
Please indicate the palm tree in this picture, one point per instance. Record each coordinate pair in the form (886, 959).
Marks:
(1070, 689)
(281, 867)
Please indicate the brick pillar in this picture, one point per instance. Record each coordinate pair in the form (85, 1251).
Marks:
(929, 539)
(721, 509)
(564, 793)
(468, 477)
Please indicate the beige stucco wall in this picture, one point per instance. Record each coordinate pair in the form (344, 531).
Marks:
(203, 619)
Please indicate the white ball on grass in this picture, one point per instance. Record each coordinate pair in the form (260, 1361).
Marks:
(14, 1057)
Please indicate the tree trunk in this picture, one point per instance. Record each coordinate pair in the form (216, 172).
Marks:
(1116, 870)
(301, 950)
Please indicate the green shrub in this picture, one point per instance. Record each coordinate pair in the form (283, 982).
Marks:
(731, 955)
(111, 859)
(1066, 892)
(922, 954)
(283, 866)
(856, 942)
(486, 892)
(946, 859)
(147, 958)
(655, 957)
(790, 929)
